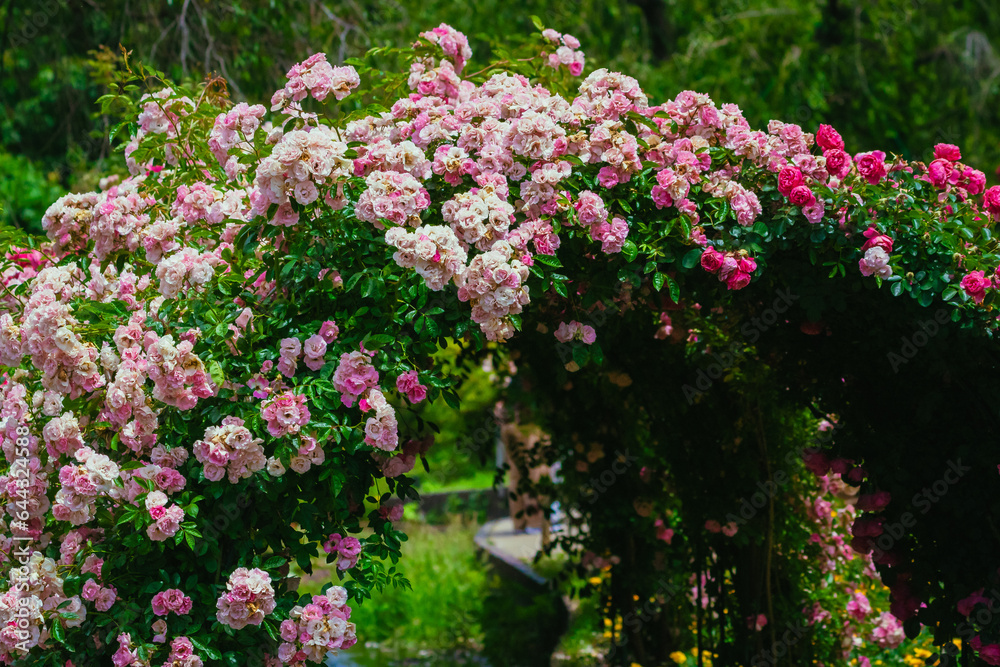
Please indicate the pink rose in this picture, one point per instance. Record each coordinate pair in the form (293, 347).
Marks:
(746, 264)
(662, 532)
(873, 502)
(876, 239)
(990, 654)
(871, 166)
(729, 266)
(859, 607)
(947, 152)
(91, 590)
(738, 280)
(711, 260)
(105, 599)
(975, 284)
(398, 465)
(939, 172)
(814, 212)
(838, 163)
(867, 526)
(329, 331)
(801, 195)
(991, 200)
(828, 138)
(966, 605)
(875, 262)
(789, 178)
(975, 180)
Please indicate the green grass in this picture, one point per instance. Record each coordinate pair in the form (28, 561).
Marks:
(442, 612)
(475, 479)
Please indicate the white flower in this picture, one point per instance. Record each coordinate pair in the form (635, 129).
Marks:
(274, 467)
(156, 499)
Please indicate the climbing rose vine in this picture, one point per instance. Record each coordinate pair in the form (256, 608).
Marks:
(210, 366)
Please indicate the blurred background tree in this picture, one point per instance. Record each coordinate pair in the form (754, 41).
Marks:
(900, 75)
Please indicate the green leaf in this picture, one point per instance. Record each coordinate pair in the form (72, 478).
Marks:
(215, 372)
(675, 290)
(630, 250)
(274, 562)
(658, 279)
(691, 258)
(451, 398)
(377, 341)
(209, 652)
(596, 354)
(896, 288)
(547, 260)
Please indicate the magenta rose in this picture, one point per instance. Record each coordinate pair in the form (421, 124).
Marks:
(862, 545)
(840, 466)
(738, 280)
(975, 284)
(729, 266)
(828, 138)
(788, 179)
(975, 180)
(939, 171)
(801, 195)
(711, 260)
(873, 502)
(991, 200)
(817, 462)
(876, 239)
(746, 264)
(838, 163)
(867, 526)
(990, 654)
(871, 166)
(947, 152)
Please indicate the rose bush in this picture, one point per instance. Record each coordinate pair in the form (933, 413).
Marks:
(272, 297)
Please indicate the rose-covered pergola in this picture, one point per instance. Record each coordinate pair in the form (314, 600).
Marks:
(210, 365)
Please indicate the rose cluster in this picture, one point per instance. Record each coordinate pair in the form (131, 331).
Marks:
(310, 632)
(229, 449)
(495, 284)
(249, 597)
(433, 251)
(733, 268)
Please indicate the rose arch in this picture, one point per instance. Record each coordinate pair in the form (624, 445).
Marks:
(210, 365)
